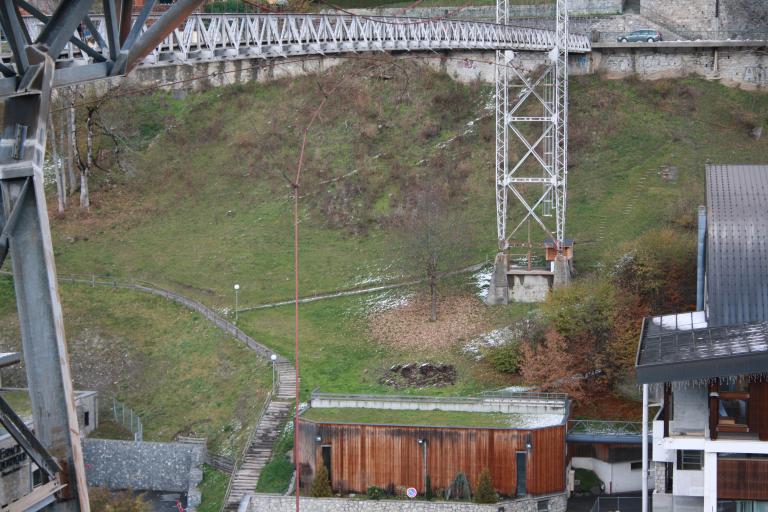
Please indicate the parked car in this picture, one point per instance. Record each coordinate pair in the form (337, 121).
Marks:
(638, 36)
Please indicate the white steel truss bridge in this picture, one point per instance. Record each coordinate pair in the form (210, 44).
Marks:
(241, 36)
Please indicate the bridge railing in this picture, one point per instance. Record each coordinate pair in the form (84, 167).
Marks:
(217, 36)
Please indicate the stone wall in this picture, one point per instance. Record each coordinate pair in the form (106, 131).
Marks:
(741, 67)
(694, 15)
(145, 466)
(276, 503)
(488, 12)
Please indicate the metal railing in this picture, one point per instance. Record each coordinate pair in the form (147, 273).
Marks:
(241, 455)
(561, 398)
(606, 427)
(240, 36)
(125, 417)
(153, 289)
(619, 504)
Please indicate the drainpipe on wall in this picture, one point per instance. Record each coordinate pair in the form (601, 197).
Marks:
(645, 449)
(701, 259)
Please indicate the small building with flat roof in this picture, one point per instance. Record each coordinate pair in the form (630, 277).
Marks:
(396, 441)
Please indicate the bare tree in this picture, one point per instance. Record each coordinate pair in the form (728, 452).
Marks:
(58, 169)
(431, 244)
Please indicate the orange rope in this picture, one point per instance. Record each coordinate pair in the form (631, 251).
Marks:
(295, 185)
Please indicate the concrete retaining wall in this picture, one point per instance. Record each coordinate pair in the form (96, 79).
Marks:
(145, 466)
(503, 405)
(275, 503)
(734, 66)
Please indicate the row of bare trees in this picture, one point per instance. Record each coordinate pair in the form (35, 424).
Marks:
(73, 159)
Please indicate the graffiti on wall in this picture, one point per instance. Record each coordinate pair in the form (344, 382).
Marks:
(756, 75)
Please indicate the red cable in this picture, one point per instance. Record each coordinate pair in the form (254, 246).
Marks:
(295, 185)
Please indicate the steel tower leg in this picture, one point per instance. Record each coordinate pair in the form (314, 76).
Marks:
(27, 238)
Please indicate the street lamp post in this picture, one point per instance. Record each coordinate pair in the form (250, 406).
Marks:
(237, 290)
(423, 443)
(273, 358)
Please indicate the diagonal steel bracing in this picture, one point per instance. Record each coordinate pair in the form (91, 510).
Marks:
(531, 114)
(25, 234)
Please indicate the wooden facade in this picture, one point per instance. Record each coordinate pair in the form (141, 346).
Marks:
(742, 479)
(362, 456)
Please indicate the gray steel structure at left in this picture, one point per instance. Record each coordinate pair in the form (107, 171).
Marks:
(24, 230)
(69, 46)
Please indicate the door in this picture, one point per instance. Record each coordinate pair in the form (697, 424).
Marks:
(327, 461)
(522, 458)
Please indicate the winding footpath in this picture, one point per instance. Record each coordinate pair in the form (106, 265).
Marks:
(277, 410)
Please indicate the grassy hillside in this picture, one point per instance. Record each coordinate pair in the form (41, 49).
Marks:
(209, 206)
(179, 373)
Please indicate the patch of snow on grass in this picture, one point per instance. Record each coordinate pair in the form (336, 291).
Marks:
(387, 300)
(482, 279)
(495, 338)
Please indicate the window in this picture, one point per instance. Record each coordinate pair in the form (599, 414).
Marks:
(690, 460)
(542, 505)
(86, 418)
(636, 466)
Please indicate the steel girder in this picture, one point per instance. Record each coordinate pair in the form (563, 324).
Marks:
(544, 160)
(24, 229)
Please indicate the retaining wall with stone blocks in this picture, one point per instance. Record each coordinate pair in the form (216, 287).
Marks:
(144, 466)
(488, 12)
(277, 503)
(692, 15)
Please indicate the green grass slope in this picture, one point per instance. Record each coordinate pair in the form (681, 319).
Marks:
(209, 206)
(178, 372)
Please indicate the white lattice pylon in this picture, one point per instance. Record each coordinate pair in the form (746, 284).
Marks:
(531, 116)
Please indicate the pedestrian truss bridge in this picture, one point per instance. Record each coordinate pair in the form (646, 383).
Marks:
(241, 36)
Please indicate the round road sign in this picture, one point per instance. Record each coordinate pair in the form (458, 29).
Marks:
(411, 492)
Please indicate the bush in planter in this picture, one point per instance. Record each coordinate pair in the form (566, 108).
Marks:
(375, 493)
(485, 492)
(321, 485)
(459, 489)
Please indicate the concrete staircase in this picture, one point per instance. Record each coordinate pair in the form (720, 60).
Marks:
(259, 450)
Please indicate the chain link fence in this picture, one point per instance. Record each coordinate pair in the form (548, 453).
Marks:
(129, 420)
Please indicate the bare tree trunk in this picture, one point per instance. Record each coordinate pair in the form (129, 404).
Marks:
(62, 141)
(85, 202)
(432, 273)
(72, 144)
(57, 168)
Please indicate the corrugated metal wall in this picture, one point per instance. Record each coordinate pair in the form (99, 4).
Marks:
(367, 455)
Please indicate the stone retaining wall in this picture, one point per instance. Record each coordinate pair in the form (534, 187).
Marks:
(488, 12)
(145, 466)
(743, 67)
(277, 503)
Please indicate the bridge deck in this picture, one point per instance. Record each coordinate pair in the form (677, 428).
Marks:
(241, 36)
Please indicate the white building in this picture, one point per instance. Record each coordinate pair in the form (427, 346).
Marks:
(708, 369)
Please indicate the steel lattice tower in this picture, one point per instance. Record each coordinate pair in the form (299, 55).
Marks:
(532, 112)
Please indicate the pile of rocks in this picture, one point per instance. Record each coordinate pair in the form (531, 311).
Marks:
(419, 375)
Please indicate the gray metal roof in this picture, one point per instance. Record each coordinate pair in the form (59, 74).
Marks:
(684, 347)
(737, 244)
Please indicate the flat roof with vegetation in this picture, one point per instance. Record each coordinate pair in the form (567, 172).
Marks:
(427, 418)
